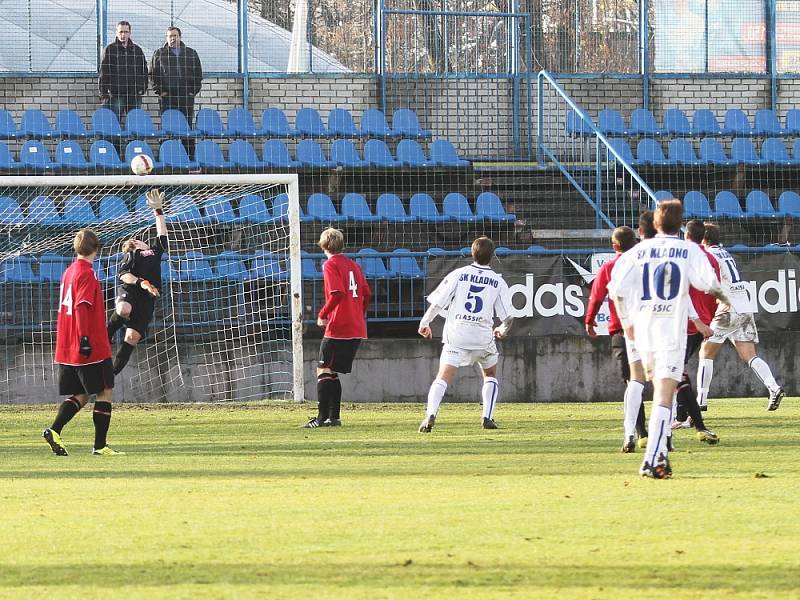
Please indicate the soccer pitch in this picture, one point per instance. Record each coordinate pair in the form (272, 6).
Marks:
(239, 502)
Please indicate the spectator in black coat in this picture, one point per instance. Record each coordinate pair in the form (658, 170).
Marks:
(177, 75)
(123, 73)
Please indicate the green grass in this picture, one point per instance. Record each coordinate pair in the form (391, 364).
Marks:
(238, 502)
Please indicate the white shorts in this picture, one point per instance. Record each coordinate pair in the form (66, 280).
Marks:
(633, 353)
(735, 327)
(664, 364)
(461, 357)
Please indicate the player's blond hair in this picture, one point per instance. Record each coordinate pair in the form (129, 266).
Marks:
(331, 240)
(86, 242)
(668, 217)
(482, 250)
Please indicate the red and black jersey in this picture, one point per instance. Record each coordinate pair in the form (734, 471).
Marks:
(347, 296)
(704, 304)
(145, 263)
(81, 311)
(599, 293)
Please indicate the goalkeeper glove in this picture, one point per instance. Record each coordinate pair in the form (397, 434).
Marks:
(155, 200)
(85, 348)
(148, 287)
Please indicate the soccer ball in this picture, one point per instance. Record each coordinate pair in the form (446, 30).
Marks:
(141, 164)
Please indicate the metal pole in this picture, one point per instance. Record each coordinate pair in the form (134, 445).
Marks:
(380, 49)
(244, 64)
(99, 23)
(540, 120)
(577, 35)
(772, 51)
(644, 50)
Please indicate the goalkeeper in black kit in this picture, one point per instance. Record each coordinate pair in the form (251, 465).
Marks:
(140, 285)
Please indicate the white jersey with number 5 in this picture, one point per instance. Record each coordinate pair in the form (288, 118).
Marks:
(473, 295)
(653, 280)
(733, 286)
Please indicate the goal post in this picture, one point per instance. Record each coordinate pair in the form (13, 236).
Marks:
(229, 324)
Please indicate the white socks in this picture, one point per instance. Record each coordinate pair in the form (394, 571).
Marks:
(705, 371)
(631, 402)
(657, 434)
(489, 393)
(764, 373)
(436, 395)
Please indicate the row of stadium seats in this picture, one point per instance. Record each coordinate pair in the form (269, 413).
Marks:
(208, 155)
(139, 124)
(676, 123)
(727, 206)
(252, 208)
(681, 151)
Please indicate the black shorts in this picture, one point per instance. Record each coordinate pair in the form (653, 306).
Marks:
(85, 379)
(143, 306)
(620, 352)
(693, 343)
(337, 355)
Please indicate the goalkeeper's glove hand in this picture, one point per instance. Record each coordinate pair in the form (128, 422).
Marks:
(148, 287)
(155, 199)
(85, 348)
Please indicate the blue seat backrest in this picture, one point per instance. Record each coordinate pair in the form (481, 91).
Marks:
(242, 153)
(276, 152)
(727, 204)
(373, 122)
(457, 205)
(8, 127)
(489, 203)
(135, 147)
(767, 122)
(376, 152)
(411, 153)
(643, 122)
(355, 205)
(10, 211)
(422, 205)
(78, 210)
(208, 153)
(240, 122)
(682, 150)
(576, 125)
(219, 209)
(696, 204)
(52, 267)
(113, 208)
(209, 122)
(711, 150)
(611, 122)
(139, 124)
(34, 154)
(105, 123)
(650, 150)
(309, 122)
(373, 265)
(406, 122)
(623, 149)
(104, 153)
(173, 122)
(773, 149)
(309, 152)
(405, 265)
(704, 122)
(736, 122)
(320, 206)
(343, 152)
(173, 154)
(742, 149)
(274, 122)
(69, 153)
(69, 124)
(42, 210)
(340, 122)
(253, 208)
(35, 123)
(676, 122)
(758, 203)
(789, 203)
(390, 205)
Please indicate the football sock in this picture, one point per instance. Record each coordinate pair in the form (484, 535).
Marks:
(436, 395)
(326, 391)
(489, 394)
(102, 419)
(764, 373)
(115, 323)
(659, 430)
(336, 399)
(687, 404)
(68, 409)
(641, 427)
(679, 409)
(632, 403)
(705, 371)
(123, 356)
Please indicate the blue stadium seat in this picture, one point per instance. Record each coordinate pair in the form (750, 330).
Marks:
(241, 124)
(35, 124)
(405, 265)
(390, 208)
(758, 204)
(610, 122)
(649, 152)
(704, 122)
(308, 267)
(623, 150)
(663, 195)
(773, 151)
(793, 121)
(42, 211)
(141, 210)
(174, 123)
(69, 125)
(139, 125)
(406, 124)
(373, 265)
(113, 208)
(309, 123)
(230, 265)
(276, 154)
(280, 210)
(536, 249)
(373, 122)
(355, 208)
(457, 206)
(209, 123)
(676, 123)
(275, 124)
(253, 209)
(103, 155)
(410, 154)
(173, 156)
(422, 207)
(70, 156)
(744, 152)
(167, 269)
(52, 267)
(696, 206)
(182, 208)
(78, 211)
(267, 266)
(767, 123)
(681, 152)
(105, 124)
(19, 269)
(309, 154)
(242, 154)
(737, 123)
(788, 204)
(7, 160)
(644, 123)
(321, 208)
(10, 211)
(106, 267)
(135, 147)
(575, 125)
(377, 154)
(344, 154)
(489, 207)
(33, 155)
(726, 206)
(8, 127)
(444, 154)
(711, 151)
(219, 210)
(209, 155)
(340, 123)
(194, 266)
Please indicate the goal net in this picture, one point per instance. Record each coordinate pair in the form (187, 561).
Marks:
(228, 323)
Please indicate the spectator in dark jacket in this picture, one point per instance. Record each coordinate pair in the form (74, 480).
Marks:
(177, 75)
(123, 73)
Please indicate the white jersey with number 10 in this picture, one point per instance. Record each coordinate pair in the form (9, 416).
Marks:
(473, 295)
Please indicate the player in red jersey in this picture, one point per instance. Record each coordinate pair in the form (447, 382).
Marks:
(83, 352)
(347, 296)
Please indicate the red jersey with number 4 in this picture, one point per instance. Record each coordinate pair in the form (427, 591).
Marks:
(347, 296)
(79, 285)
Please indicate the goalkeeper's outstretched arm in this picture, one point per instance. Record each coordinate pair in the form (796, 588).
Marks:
(155, 200)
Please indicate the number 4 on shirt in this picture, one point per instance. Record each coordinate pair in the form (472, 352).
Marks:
(353, 287)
